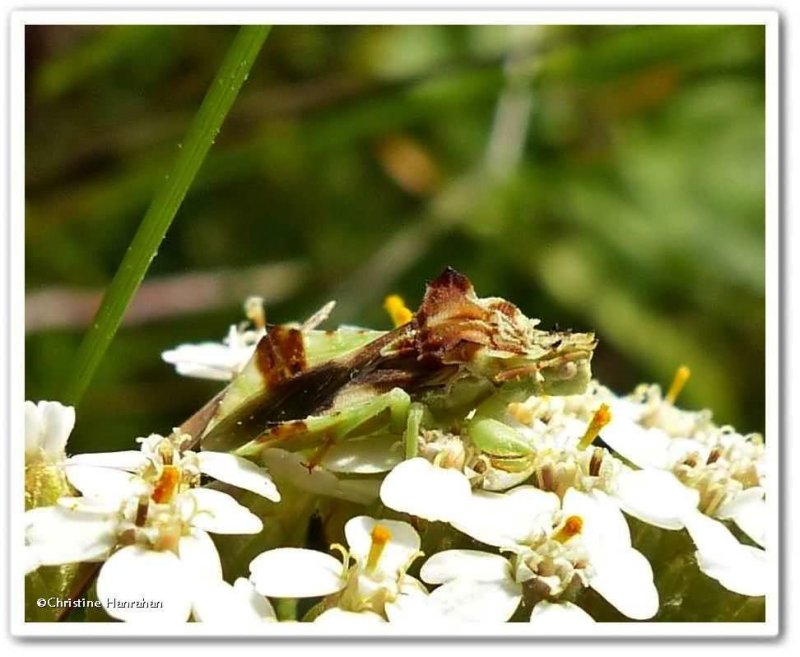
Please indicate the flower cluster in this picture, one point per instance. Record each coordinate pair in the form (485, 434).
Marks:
(456, 506)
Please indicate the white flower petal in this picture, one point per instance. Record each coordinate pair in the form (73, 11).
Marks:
(410, 605)
(60, 536)
(624, 578)
(199, 556)
(296, 573)
(258, 603)
(403, 543)
(106, 483)
(739, 568)
(341, 618)
(129, 460)
(465, 601)
(424, 490)
(365, 455)
(219, 513)
(653, 496)
(47, 428)
(559, 617)
(472, 565)
(290, 467)
(58, 422)
(604, 527)
(30, 559)
(505, 519)
(33, 429)
(748, 510)
(208, 360)
(500, 480)
(238, 472)
(91, 505)
(219, 602)
(135, 573)
(642, 446)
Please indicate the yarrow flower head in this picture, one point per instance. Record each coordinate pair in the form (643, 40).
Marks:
(144, 514)
(370, 584)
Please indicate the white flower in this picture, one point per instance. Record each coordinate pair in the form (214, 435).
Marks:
(215, 360)
(87, 472)
(47, 427)
(150, 527)
(556, 548)
(374, 584)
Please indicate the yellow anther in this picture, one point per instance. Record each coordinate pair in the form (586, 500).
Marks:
(397, 309)
(601, 417)
(681, 377)
(572, 527)
(380, 537)
(254, 311)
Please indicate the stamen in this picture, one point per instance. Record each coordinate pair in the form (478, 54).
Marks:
(714, 455)
(596, 462)
(165, 451)
(141, 511)
(546, 477)
(380, 537)
(254, 311)
(601, 417)
(681, 377)
(167, 484)
(572, 527)
(397, 309)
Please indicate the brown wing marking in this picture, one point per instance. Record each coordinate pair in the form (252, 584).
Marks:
(280, 354)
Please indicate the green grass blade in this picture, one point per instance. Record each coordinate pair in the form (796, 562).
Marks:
(200, 136)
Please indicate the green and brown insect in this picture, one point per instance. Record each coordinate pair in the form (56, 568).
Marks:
(457, 353)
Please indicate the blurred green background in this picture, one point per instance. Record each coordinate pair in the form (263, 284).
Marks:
(601, 177)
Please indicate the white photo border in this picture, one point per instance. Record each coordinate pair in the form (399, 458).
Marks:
(16, 362)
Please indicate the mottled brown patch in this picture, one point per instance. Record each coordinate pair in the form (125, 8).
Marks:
(280, 354)
(285, 430)
(453, 324)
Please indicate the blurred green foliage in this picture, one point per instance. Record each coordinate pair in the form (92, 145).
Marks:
(601, 177)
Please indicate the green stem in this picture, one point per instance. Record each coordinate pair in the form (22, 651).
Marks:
(165, 204)
(286, 609)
